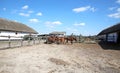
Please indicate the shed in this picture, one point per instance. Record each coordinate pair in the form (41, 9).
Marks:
(111, 34)
(61, 34)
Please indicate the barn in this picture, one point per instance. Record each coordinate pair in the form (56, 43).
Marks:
(56, 33)
(111, 34)
(14, 29)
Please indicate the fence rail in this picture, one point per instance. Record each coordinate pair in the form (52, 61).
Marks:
(14, 41)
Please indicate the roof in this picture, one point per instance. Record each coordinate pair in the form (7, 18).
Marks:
(114, 28)
(57, 33)
(8, 25)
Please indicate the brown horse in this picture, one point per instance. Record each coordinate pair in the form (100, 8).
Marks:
(60, 40)
(55, 39)
(51, 39)
(71, 39)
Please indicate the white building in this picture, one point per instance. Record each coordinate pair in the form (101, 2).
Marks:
(14, 30)
(59, 34)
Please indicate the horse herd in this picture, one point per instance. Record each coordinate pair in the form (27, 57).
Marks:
(60, 40)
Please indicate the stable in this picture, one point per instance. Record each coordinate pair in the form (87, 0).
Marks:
(59, 34)
(14, 29)
(111, 34)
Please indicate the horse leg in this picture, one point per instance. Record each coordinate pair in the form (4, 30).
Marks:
(71, 42)
(63, 41)
(67, 41)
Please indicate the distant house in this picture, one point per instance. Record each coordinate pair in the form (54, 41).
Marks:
(60, 34)
(12, 28)
(111, 34)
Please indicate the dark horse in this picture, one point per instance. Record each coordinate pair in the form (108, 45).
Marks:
(71, 39)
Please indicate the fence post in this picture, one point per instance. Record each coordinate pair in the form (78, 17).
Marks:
(9, 41)
(29, 41)
(79, 38)
(34, 40)
(21, 41)
(39, 39)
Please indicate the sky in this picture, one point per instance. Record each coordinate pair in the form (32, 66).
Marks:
(85, 17)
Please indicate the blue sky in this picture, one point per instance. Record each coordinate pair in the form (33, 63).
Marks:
(86, 17)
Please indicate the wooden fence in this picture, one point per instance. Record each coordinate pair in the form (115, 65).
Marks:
(13, 41)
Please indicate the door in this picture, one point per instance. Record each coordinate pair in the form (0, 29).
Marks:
(118, 39)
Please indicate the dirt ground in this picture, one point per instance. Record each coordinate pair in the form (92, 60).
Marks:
(53, 58)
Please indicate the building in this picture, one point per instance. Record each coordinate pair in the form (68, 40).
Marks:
(14, 29)
(60, 34)
(111, 34)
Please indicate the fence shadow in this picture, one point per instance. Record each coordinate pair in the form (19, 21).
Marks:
(5, 48)
(109, 46)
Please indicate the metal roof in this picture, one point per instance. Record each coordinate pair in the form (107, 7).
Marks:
(112, 29)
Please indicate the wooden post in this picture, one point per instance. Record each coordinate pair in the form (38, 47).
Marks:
(21, 41)
(80, 38)
(28, 40)
(9, 41)
(34, 40)
(39, 39)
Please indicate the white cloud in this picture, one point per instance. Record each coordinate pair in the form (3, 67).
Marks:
(79, 24)
(82, 9)
(4, 9)
(115, 15)
(30, 11)
(56, 23)
(52, 24)
(25, 7)
(118, 1)
(24, 14)
(27, 14)
(34, 20)
(39, 14)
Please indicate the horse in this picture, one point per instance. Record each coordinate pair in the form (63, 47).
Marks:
(71, 39)
(55, 39)
(60, 40)
(51, 39)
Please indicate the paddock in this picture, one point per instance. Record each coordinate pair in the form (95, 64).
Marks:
(53, 58)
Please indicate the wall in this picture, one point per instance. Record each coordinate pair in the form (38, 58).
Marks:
(102, 37)
(13, 35)
(112, 37)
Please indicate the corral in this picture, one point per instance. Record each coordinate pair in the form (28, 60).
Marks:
(53, 58)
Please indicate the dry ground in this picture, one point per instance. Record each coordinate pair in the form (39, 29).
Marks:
(52, 58)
